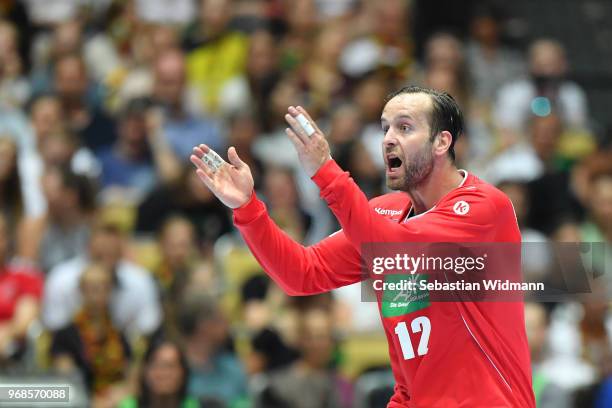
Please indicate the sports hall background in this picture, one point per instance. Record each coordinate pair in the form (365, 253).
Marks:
(102, 100)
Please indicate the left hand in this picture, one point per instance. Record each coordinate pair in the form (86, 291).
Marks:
(313, 150)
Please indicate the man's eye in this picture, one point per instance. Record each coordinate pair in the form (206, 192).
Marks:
(385, 129)
(404, 128)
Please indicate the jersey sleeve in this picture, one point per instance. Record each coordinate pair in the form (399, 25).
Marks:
(298, 270)
(361, 224)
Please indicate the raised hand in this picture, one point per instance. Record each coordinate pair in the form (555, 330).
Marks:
(232, 183)
(310, 143)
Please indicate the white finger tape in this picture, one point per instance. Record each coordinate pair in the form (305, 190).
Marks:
(305, 124)
(213, 160)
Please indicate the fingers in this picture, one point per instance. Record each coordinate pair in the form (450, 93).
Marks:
(200, 165)
(203, 172)
(209, 157)
(298, 130)
(205, 179)
(295, 139)
(232, 155)
(301, 110)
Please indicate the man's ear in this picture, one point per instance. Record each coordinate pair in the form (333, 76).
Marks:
(442, 143)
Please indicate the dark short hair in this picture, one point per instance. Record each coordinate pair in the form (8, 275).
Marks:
(445, 114)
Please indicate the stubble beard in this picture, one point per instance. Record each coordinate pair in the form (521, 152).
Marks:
(416, 170)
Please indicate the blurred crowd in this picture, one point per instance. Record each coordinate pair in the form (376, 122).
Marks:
(121, 272)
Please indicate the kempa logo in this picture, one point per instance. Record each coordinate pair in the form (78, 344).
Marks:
(461, 207)
(386, 211)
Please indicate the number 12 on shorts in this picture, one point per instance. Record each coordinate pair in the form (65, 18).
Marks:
(421, 325)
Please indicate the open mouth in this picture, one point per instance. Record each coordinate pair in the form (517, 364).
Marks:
(394, 162)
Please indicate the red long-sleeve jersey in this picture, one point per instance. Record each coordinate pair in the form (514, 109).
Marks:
(470, 354)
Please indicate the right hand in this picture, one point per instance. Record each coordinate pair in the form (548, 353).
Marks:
(232, 183)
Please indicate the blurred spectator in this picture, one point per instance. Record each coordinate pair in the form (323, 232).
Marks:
(146, 44)
(301, 21)
(12, 207)
(251, 91)
(81, 105)
(551, 197)
(190, 198)
(214, 372)
(16, 13)
(92, 344)
(179, 252)
(281, 196)
(21, 290)
(182, 128)
(528, 160)
(444, 50)
(350, 152)
(62, 232)
(163, 379)
(490, 63)
(71, 37)
(320, 77)
(14, 86)
(243, 129)
(597, 228)
(547, 393)
(275, 149)
(128, 165)
(216, 53)
(261, 302)
(181, 270)
(546, 89)
(64, 39)
(53, 145)
(309, 382)
(536, 162)
(536, 253)
(369, 95)
(119, 91)
(387, 45)
(134, 304)
(270, 353)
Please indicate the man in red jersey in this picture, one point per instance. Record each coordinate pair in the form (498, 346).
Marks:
(443, 354)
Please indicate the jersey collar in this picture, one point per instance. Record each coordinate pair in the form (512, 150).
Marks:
(407, 217)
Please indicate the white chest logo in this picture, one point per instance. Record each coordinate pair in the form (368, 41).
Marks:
(461, 207)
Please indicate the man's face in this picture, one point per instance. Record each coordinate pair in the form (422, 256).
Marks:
(46, 117)
(70, 79)
(407, 146)
(170, 79)
(106, 247)
(178, 243)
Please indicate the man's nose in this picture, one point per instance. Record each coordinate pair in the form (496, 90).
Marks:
(389, 140)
